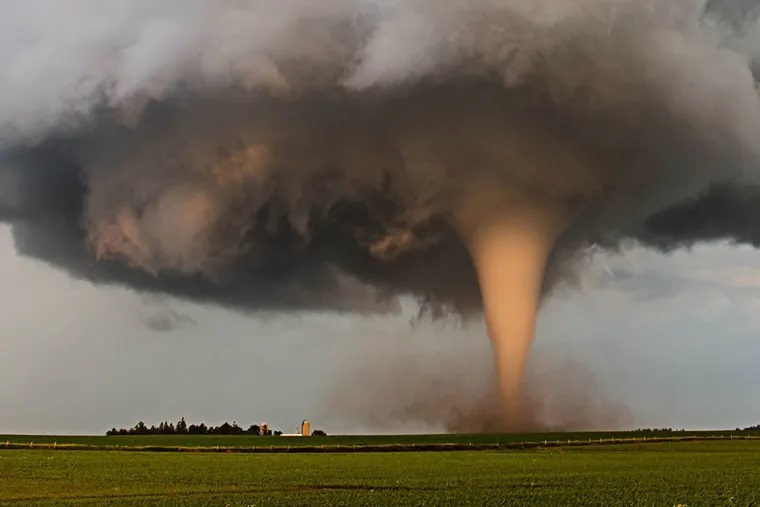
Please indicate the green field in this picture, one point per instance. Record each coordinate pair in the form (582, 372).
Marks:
(250, 442)
(688, 473)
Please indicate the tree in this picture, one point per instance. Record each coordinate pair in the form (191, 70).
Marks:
(140, 429)
(182, 428)
(197, 429)
(224, 429)
(318, 433)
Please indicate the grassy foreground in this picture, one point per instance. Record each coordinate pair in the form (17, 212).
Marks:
(687, 473)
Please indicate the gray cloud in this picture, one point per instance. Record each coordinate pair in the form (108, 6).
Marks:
(165, 319)
(297, 155)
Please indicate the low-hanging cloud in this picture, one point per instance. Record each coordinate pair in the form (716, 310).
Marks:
(159, 316)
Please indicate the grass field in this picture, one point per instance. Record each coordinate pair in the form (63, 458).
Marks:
(687, 473)
(242, 441)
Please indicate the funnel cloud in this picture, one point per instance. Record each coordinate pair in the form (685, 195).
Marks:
(293, 155)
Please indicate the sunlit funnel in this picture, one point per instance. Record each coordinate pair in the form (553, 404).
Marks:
(510, 242)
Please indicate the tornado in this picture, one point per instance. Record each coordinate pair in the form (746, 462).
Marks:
(509, 239)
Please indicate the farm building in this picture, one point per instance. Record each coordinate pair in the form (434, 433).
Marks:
(305, 430)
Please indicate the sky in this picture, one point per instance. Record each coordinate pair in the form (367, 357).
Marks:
(312, 155)
(672, 338)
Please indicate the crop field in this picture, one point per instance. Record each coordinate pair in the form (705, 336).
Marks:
(343, 443)
(690, 473)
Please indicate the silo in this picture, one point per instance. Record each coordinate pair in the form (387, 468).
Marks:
(305, 428)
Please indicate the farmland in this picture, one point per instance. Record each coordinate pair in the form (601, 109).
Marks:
(343, 443)
(721, 472)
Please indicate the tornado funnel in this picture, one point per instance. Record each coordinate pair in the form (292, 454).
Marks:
(510, 242)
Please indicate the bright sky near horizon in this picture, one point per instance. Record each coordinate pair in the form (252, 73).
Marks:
(673, 338)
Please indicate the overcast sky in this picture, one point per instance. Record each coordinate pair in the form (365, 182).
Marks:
(673, 338)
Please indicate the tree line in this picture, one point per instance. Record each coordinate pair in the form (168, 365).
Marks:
(182, 428)
(671, 430)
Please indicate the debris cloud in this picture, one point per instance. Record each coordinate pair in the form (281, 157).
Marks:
(414, 390)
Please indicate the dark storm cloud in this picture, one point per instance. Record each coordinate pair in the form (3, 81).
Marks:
(723, 212)
(294, 155)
